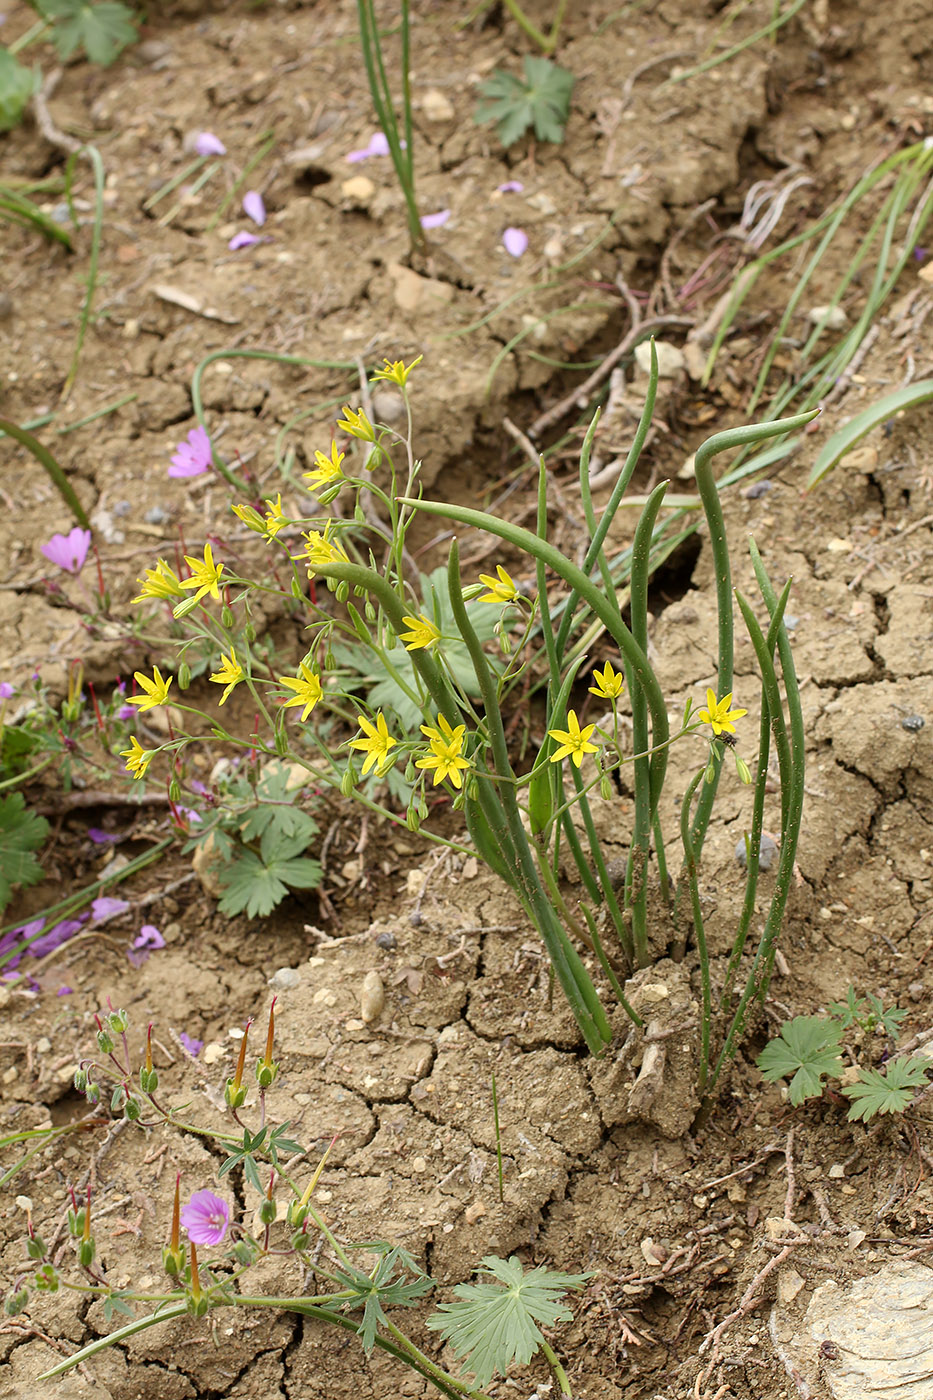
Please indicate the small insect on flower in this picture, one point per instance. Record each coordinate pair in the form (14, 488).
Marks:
(503, 589)
(160, 582)
(718, 714)
(307, 688)
(609, 683)
(205, 575)
(206, 1218)
(574, 741)
(377, 743)
(230, 673)
(396, 372)
(155, 691)
(446, 756)
(328, 469)
(357, 424)
(423, 633)
(137, 758)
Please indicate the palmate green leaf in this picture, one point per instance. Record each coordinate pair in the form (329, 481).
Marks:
(102, 30)
(541, 101)
(493, 1324)
(17, 84)
(806, 1049)
(255, 887)
(890, 1091)
(21, 833)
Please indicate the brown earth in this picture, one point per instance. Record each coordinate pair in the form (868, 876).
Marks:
(677, 1226)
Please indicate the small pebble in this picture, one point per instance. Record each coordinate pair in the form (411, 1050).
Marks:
(386, 939)
(912, 723)
(372, 997)
(284, 979)
(43, 1046)
(157, 515)
(767, 851)
(757, 490)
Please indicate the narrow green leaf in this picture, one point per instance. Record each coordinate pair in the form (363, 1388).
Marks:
(877, 413)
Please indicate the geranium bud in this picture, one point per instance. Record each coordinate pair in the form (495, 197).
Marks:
(14, 1303)
(35, 1247)
(86, 1251)
(119, 1020)
(148, 1080)
(105, 1042)
(47, 1279)
(117, 1099)
(265, 1075)
(184, 675)
(75, 1221)
(92, 1094)
(268, 1211)
(80, 1080)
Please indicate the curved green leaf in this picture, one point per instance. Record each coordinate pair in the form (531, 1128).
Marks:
(877, 413)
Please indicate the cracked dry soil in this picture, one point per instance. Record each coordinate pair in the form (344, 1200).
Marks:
(676, 1224)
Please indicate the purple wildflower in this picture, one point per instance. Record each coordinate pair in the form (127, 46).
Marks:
(435, 220)
(64, 991)
(206, 1218)
(511, 187)
(149, 937)
(253, 207)
(69, 551)
(515, 241)
(207, 144)
(126, 712)
(101, 837)
(197, 786)
(56, 937)
(921, 254)
(106, 907)
(194, 1047)
(193, 456)
(243, 240)
(378, 146)
(6, 690)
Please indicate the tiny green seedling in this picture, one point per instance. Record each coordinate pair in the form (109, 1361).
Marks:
(540, 101)
(806, 1052)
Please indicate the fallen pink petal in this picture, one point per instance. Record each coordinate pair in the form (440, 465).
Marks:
(511, 187)
(192, 457)
(101, 837)
(435, 220)
(149, 937)
(515, 241)
(194, 1047)
(206, 1218)
(207, 144)
(253, 207)
(56, 936)
(378, 146)
(243, 240)
(64, 991)
(6, 690)
(106, 907)
(69, 551)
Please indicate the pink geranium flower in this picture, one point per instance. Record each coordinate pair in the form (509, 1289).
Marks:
(69, 551)
(192, 457)
(206, 1218)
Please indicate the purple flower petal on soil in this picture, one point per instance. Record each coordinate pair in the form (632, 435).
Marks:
(243, 240)
(378, 146)
(69, 551)
(56, 937)
(515, 241)
(253, 207)
(64, 991)
(921, 253)
(194, 1047)
(103, 838)
(6, 690)
(193, 456)
(511, 187)
(106, 907)
(435, 220)
(206, 1218)
(207, 144)
(149, 937)
(127, 711)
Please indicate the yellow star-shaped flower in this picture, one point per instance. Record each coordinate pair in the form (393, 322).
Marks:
(718, 714)
(501, 590)
(357, 424)
(609, 683)
(328, 469)
(160, 582)
(573, 740)
(137, 758)
(396, 372)
(377, 744)
(307, 688)
(230, 673)
(423, 633)
(205, 575)
(320, 549)
(155, 690)
(445, 757)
